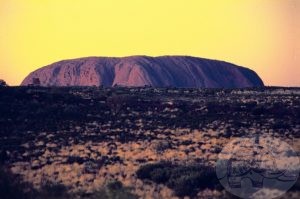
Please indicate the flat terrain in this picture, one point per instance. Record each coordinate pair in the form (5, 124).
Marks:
(84, 138)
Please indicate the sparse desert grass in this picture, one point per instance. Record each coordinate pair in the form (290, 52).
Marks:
(84, 138)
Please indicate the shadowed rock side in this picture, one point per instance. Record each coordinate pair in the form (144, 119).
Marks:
(175, 71)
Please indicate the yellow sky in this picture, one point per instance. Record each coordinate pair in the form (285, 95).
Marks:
(263, 35)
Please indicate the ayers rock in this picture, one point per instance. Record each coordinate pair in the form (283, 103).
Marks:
(164, 71)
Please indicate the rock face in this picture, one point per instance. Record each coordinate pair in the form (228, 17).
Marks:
(164, 71)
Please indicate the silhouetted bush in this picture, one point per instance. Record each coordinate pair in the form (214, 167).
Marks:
(184, 180)
(3, 156)
(161, 146)
(280, 125)
(3, 83)
(118, 102)
(75, 159)
(52, 190)
(258, 110)
(144, 172)
(113, 190)
(72, 112)
(160, 175)
(11, 186)
(115, 185)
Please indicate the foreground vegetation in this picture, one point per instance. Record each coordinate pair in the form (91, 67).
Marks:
(74, 142)
(184, 180)
(12, 187)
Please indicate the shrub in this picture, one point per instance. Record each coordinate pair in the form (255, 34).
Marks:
(258, 111)
(183, 180)
(160, 175)
(144, 172)
(119, 102)
(185, 185)
(72, 112)
(11, 187)
(161, 146)
(113, 190)
(53, 190)
(75, 159)
(3, 156)
(114, 185)
(2, 83)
